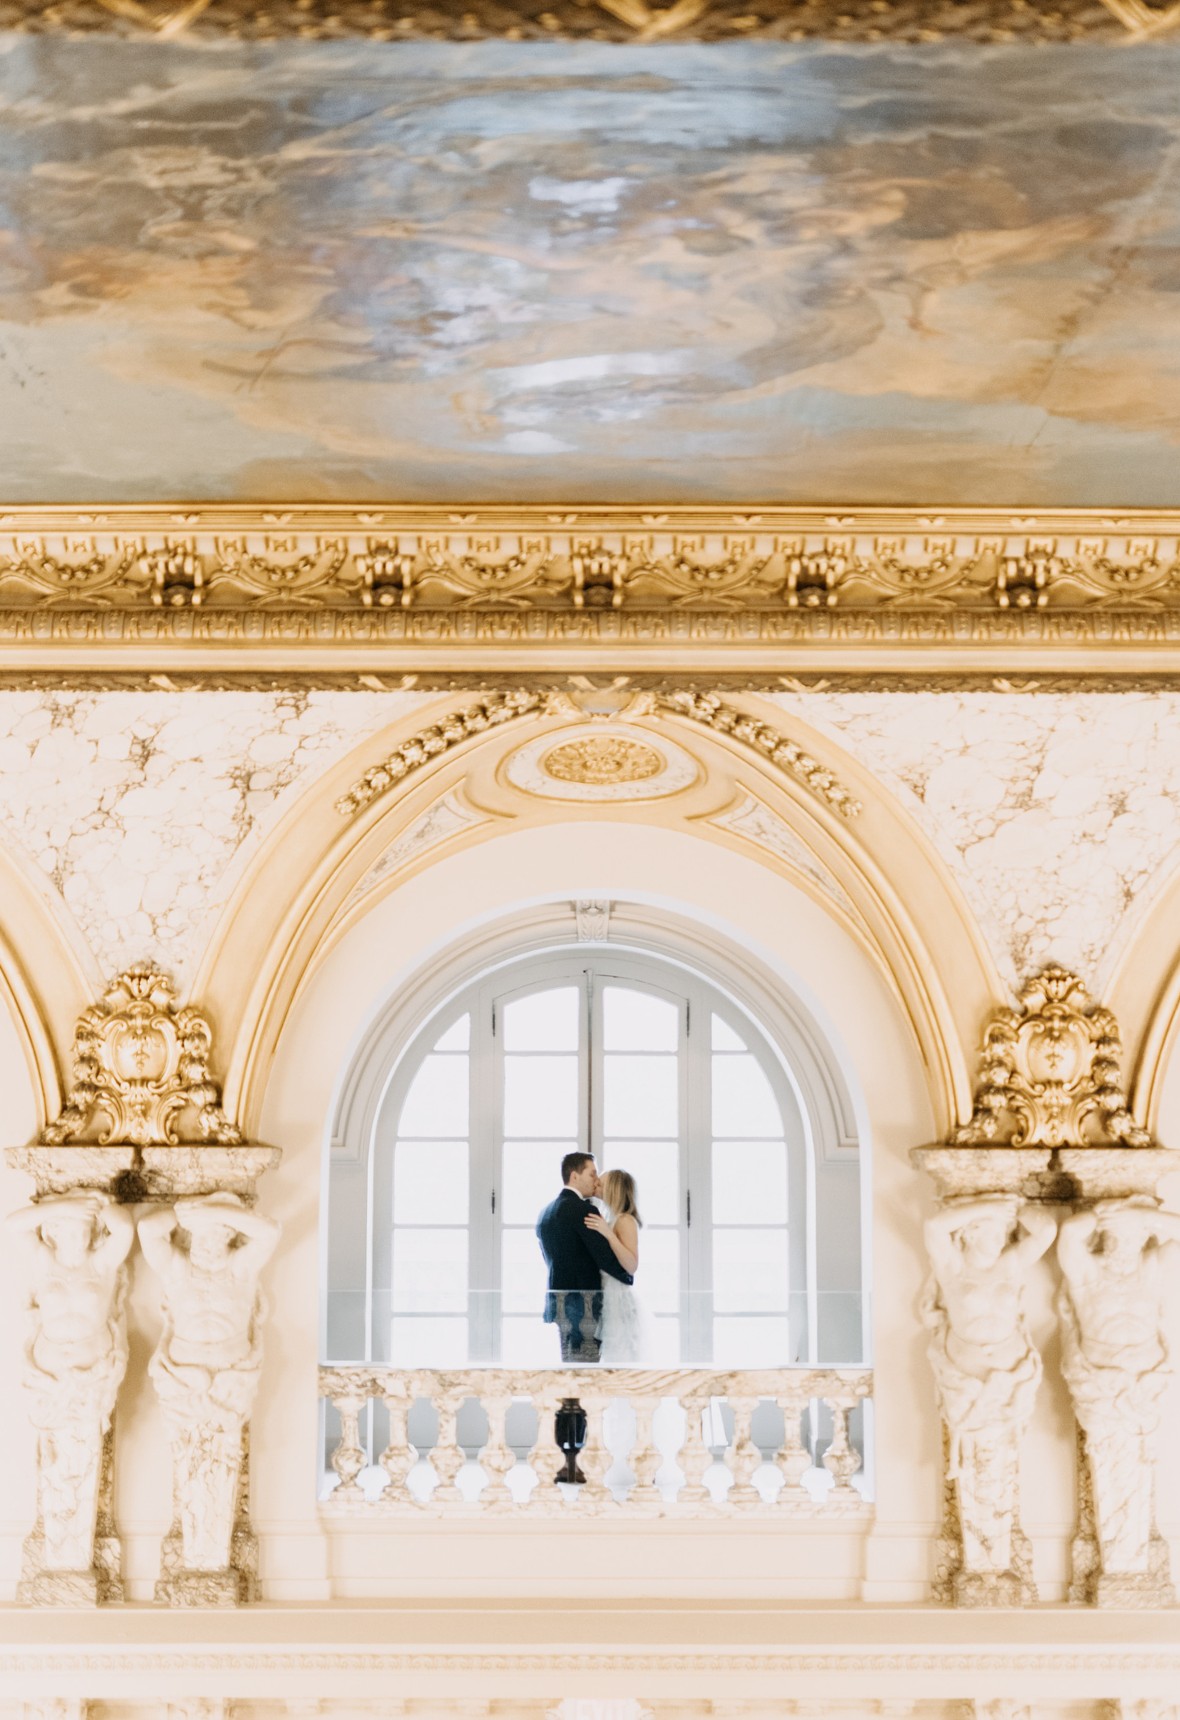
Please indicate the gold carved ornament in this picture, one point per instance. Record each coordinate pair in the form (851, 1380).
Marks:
(1049, 1073)
(141, 1064)
(600, 761)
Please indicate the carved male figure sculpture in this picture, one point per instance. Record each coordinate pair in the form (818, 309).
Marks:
(987, 1371)
(1115, 1362)
(208, 1251)
(75, 1358)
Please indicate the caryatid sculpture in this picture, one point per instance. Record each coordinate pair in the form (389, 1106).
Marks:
(208, 1252)
(1115, 1361)
(75, 1358)
(987, 1370)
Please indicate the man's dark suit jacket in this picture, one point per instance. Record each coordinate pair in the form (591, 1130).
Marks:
(576, 1257)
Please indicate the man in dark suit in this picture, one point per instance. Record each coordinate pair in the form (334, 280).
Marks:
(576, 1258)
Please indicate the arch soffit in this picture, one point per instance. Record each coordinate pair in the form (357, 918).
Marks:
(293, 900)
(812, 1063)
(1144, 994)
(46, 980)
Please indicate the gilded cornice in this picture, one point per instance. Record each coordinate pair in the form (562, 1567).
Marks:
(596, 20)
(758, 592)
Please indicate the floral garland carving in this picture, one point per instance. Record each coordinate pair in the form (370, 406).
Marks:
(487, 713)
(713, 713)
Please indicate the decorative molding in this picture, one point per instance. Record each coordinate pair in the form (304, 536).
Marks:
(1049, 1073)
(600, 760)
(489, 712)
(593, 920)
(143, 1118)
(711, 711)
(757, 823)
(442, 820)
(599, 20)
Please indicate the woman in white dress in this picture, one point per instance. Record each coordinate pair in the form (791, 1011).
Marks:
(626, 1333)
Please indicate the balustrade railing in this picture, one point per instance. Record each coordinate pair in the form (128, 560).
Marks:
(684, 1442)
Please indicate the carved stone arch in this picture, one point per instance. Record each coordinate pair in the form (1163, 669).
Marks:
(1144, 993)
(841, 837)
(47, 976)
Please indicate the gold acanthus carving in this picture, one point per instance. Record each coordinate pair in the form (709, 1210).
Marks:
(1050, 1073)
(496, 709)
(141, 1069)
(601, 760)
(598, 20)
(776, 560)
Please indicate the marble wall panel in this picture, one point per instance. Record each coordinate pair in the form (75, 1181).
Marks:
(788, 272)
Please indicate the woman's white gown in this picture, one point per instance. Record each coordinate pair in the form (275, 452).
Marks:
(627, 1333)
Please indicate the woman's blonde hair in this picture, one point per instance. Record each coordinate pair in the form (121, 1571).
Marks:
(618, 1191)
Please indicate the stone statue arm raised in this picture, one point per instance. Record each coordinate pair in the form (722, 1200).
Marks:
(1073, 1243)
(941, 1230)
(1040, 1227)
(257, 1237)
(261, 1238)
(114, 1246)
(155, 1237)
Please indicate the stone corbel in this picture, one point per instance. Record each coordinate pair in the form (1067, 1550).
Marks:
(143, 1128)
(1050, 1130)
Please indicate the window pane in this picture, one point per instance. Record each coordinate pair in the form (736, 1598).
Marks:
(457, 1037)
(658, 1278)
(749, 1182)
(541, 1096)
(532, 1178)
(437, 1102)
(428, 1343)
(543, 1021)
(743, 1099)
(752, 1343)
(430, 1182)
(749, 1271)
(522, 1273)
(724, 1037)
(430, 1271)
(655, 1165)
(529, 1343)
(640, 1095)
(636, 1021)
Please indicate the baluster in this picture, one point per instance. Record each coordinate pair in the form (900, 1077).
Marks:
(743, 1495)
(792, 1459)
(645, 1459)
(841, 1459)
(447, 1458)
(694, 1456)
(496, 1457)
(545, 1459)
(594, 1459)
(348, 1459)
(399, 1456)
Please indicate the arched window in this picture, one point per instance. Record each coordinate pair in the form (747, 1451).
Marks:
(651, 1067)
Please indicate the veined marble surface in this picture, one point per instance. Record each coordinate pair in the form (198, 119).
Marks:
(748, 272)
(133, 807)
(1058, 814)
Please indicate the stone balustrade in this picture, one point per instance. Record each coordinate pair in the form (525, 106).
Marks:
(656, 1442)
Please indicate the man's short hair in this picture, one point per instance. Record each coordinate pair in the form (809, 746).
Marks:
(573, 1163)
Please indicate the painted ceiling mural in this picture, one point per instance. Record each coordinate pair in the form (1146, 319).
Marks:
(583, 272)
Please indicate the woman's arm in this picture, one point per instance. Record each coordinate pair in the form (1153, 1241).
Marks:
(624, 1238)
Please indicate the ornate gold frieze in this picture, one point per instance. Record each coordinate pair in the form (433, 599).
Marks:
(522, 560)
(596, 20)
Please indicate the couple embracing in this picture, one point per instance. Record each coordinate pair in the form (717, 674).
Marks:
(589, 1236)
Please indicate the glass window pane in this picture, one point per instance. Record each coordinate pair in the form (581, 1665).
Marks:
(637, 1021)
(437, 1103)
(457, 1037)
(655, 1165)
(529, 1343)
(541, 1096)
(531, 1178)
(724, 1037)
(543, 1021)
(428, 1343)
(739, 1343)
(658, 1278)
(749, 1182)
(522, 1273)
(749, 1271)
(430, 1271)
(743, 1099)
(430, 1182)
(640, 1095)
